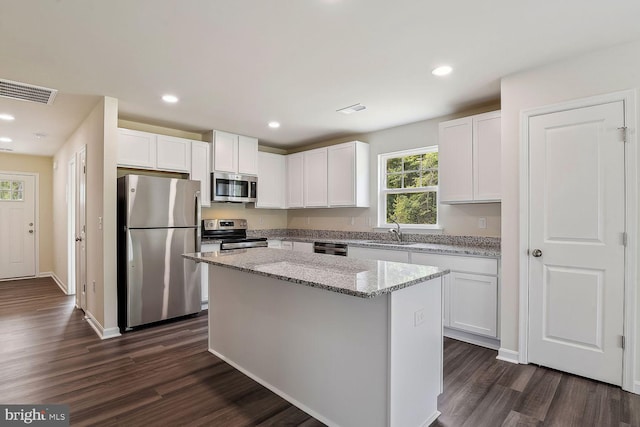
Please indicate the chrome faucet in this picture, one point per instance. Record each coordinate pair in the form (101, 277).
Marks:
(396, 231)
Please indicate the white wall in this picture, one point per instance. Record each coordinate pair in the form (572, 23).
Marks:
(600, 72)
(456, 219)
(98, 133)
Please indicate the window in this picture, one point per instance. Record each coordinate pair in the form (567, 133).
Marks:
(11, 190)
(408, 187)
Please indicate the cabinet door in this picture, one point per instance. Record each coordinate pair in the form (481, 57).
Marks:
(201, 169)
(487, 179)
(247, 155)
(271, 180)
(225, 156)
(204, 268)
(303, 247)
(315, 178)
(473, 303)
(136, 149)
(342, 175)
(173, 154)
(455, 159)
(295, 179)
(377, 254)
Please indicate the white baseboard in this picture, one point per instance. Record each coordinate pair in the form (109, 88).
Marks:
(103, 334)
(508, 356)
(432, 418)
(636, 387)
(276, 390)
(487, 342)
(55, 279)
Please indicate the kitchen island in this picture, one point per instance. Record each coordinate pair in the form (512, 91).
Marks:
(351, 342)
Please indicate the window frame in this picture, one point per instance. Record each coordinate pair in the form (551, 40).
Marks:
(383, 190)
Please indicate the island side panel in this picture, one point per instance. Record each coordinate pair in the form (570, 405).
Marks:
(323, 351)
(416, 354)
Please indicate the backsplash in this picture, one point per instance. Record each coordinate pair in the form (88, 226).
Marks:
(368, 235)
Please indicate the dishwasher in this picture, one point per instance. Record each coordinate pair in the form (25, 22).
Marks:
(339, 249)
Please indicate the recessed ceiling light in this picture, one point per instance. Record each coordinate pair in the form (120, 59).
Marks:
(5, 139)
(442, 71)
(274, 125)
(352, 109)
(171, 99)
(7, 117)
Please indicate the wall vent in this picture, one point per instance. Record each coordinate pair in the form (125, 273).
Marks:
(25, 92)
(6, 149)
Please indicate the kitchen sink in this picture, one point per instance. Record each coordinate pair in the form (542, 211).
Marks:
(390, 242)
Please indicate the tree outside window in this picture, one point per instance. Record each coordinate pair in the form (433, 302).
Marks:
(409, 187)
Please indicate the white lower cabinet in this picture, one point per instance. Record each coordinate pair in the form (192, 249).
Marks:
(470, 293)
(378, 254)
(204, 270)
(473, 303)
(303, 247)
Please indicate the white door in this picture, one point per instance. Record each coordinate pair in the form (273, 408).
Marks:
(576, 262)
(17, 226)
(81, 231)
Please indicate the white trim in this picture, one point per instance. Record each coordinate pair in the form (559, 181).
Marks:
(631, 191)
(71, 223)
(36, 213)
(55, 279)
(102, 333)
(508, 356)
(383, 191)
(432, 418)
(274, 389)
(479, 340)
(636, 387)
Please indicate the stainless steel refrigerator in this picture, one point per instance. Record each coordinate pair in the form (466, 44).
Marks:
(158, 221)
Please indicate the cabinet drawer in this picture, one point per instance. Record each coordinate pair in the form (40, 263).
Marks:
(457, 263)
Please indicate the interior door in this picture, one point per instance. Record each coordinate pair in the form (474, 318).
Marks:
(17, 226)
(577, 221)
(81, 230)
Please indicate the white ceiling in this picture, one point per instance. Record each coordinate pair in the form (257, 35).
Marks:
(238, 64)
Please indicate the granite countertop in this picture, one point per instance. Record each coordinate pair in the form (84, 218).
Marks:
(360, 278)
(437, 248)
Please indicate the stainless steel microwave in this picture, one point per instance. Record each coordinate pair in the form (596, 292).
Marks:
(229, 187)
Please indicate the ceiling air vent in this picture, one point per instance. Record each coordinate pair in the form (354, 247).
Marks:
(6, 149)
(26, 92)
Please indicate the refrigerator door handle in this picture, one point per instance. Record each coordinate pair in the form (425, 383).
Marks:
(198, 220)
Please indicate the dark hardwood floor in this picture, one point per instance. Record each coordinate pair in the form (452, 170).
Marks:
(165, 376)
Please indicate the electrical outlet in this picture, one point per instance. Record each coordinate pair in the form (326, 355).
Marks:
(418, 317)
(482, 222)
(353, 220)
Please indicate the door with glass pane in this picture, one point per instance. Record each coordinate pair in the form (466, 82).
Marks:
(17, 226)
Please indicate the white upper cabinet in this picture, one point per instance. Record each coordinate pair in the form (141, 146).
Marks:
(235, 153)
(295, 180)
(247, 155)
(469, 159)
(173, 154)
(271, 181)
(144, 150)
(487, 179)
(225, 152)
(201, 169)
(348, 174)
(136, 149)
(315, 178)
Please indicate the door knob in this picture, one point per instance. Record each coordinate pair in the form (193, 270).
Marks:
(536, 253)
(78, 239)
(31, 231)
